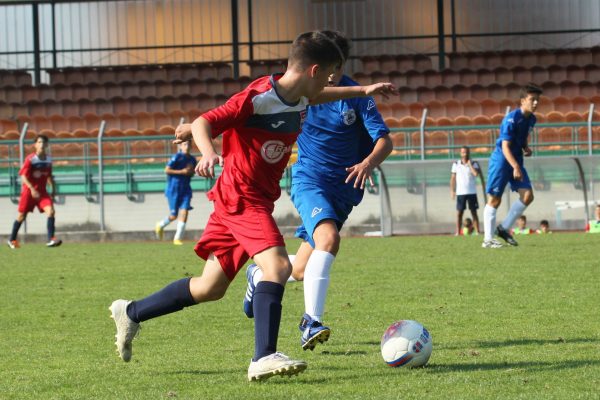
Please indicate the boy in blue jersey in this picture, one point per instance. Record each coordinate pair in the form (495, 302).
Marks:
(179, 170)
(340, 145)
(506, 166)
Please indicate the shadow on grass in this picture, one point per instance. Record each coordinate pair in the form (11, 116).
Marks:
(517, 342)
(523, 365)
(344, 353)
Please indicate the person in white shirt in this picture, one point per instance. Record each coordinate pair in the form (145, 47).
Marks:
(463, 188)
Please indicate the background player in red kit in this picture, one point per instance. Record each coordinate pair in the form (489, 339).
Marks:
(259, 127)
(36, 173)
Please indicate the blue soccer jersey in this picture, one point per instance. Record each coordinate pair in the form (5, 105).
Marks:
(179, 184)
(335, 136)
(515, 128)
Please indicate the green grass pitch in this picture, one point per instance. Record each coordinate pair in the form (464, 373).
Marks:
(506, 323)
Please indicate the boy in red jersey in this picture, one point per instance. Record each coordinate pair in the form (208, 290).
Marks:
(35, 173)
(259, 127)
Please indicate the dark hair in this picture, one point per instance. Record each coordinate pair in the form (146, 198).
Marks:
(318, 47)
(544, 222)
(43, 137)
(528, 89)
(341, 42)
(523, 218)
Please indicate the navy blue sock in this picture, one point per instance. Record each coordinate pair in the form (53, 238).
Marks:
(173, 297)
(267, 316)
(15, 230)
(50, 226)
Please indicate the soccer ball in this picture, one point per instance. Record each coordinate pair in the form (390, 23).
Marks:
(406, 344)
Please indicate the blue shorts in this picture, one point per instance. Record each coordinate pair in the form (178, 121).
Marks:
(500, 173)
(317, 203)
(179, 202)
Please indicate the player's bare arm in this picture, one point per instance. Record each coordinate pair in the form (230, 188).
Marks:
(347, 92)
(52, 185)
(201, 133)
(453, 186)
(363, 171)
(527, 150)
(517, 174)
(34, 193)
(474, 171)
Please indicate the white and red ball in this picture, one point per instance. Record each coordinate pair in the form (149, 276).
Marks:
(406, 343)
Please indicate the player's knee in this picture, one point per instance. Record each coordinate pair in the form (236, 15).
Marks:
(527, 198)
(328, 241)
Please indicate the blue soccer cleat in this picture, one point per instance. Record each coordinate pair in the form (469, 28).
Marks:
(313, 332)
(250, 271)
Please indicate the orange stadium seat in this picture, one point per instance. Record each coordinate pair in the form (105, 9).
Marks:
(556, 73)
(587, 89)
(460, 92)
(384, 109)
(127, 121)
(144, 120)
(521, 74)
(166, 130)
(503, 75)
(468, 77)
(539, 74)
(478, 92)
(485, 76)
(416, 110)
(425, 94)
(561, 104)
(580, 104)
(575, 73)
(462, 120)
(497, 118)
(453, 108)
(592, 72)
(444, 121)
(407, 94)
(91, 121)
(392, 122)
(432, 78)
(414, 79)
(471, 107)
(409, 122)
(103, 106)
(482, 120)
(399, 109)
(435, 109)
(442, 92)
(11, 135)
(161, 118)
(74, 122)
(450, 77)
(81, 133)
(573, 116)
(555, 117)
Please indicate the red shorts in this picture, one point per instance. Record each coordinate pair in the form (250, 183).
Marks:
(233, 238)
(27, 203)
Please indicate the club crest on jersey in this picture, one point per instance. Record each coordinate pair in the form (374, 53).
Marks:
(349, 117)
(272, 151)
(302, 116)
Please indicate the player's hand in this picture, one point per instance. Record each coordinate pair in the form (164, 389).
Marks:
(35, 194)
(517, 173)
(183, 133)
(360, 173)
(527, 151)
(383, 88)
(206, 165)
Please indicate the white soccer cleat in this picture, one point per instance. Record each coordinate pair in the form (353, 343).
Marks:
(491, 244)
(126, 328)
(274, 364)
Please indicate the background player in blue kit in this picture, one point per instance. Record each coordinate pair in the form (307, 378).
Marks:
(506, 166)
(340, 145)
(179, 170)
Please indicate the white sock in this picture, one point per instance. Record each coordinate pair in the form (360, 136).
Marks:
(516, 209)
(164, 222)
(316, 282)
(258, 274)
(180, 230)
(489, 222)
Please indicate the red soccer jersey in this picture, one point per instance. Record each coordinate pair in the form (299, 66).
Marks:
(37, 172)
(259, 129)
